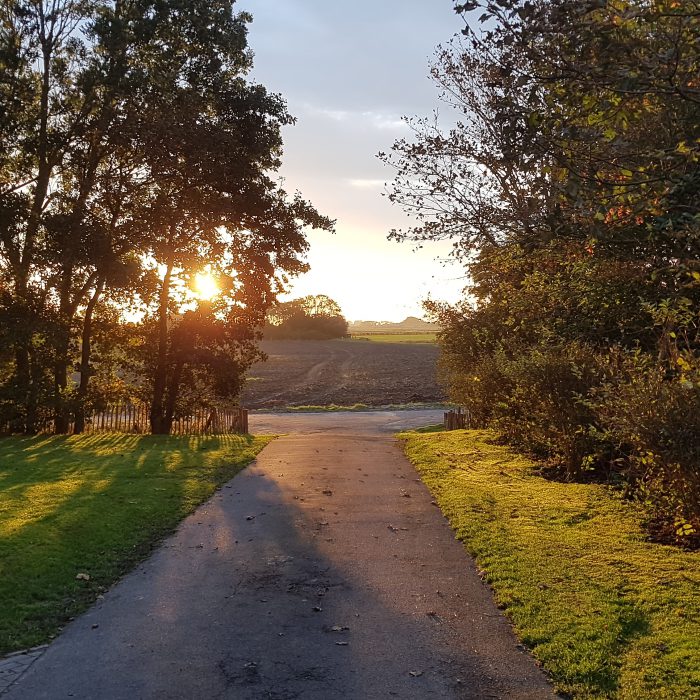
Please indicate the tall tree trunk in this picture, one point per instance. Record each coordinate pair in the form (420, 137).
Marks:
(25, 378)
(85, 352)
(25, 421)
(172, 394)
(35, 378)
(158, 422)
(61, 417)
(62, 353)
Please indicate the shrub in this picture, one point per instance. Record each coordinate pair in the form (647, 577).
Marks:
(654, 423)
(544, 411)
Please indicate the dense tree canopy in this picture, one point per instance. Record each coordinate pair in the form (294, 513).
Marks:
(312, 317)
(134, 154)
(570, 186)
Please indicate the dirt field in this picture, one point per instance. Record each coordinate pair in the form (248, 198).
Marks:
(325, 372)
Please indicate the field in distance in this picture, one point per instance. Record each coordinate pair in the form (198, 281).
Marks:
(343, 373)
(396, 337)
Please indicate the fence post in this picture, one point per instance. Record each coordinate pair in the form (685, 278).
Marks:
(456, 420)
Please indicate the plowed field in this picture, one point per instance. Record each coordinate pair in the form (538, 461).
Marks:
(343, 372)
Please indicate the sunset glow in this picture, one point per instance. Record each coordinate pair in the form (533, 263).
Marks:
(206, 286)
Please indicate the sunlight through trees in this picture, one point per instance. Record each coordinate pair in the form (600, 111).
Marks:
(135, 150)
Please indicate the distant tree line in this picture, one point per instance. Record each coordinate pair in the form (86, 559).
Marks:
(410, 324)
(135, 154)
(570, 187)
(314, 317)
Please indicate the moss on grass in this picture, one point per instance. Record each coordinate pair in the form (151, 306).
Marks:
(95, 505)
(608, 614)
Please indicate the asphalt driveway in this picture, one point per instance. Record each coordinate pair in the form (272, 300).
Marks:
(322, 571)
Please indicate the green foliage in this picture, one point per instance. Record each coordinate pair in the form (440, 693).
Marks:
(654, 423)
(96, 505)
(308, 318)
(608, 614)
(135, 154)
(570, 188)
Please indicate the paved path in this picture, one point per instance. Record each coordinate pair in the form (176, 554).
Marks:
(323, 571)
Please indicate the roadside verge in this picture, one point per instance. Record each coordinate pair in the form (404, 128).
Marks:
(608, 614)
(76, 513)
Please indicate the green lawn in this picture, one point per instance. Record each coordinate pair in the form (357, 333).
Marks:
(93, 505)
(608, 614)
(396, 337)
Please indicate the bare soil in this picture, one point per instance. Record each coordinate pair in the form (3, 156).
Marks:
(343, 373)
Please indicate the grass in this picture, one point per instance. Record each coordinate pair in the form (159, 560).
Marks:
(608, 614)
(93, 505)
(396, 337)
(353, 408)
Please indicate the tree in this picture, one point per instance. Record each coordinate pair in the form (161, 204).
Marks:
(131, 139)
(577, 142)
(569, 187)
(310, 317)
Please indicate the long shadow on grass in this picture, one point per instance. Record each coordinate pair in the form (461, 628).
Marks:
(244, 602)
(91, 505)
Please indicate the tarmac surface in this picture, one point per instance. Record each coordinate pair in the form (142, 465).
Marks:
(322, 571)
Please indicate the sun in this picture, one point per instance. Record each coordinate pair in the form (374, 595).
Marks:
(206, 286)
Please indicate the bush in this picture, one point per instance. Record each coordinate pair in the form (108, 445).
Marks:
(544, 411)
(654, 423)
(308, 328)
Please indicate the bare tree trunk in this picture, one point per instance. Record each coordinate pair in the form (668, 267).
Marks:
(172, 394)
(26, 419)
(61, 353)
(158, 422)
(85, 352)
(23, 362)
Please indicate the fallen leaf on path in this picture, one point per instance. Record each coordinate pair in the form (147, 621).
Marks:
(415, 674)
(341, 644)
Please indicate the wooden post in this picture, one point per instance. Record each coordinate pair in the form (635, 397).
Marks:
(456, 420)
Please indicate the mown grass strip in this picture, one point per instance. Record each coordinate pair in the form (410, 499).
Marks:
(429, 337)
(608, 614)
(93, 505)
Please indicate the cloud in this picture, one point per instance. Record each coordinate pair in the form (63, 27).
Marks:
(372, 118)
(366, 183)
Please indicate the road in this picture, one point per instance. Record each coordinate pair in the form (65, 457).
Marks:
(322, 571)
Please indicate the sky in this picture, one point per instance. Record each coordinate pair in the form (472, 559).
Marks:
(349, 73)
